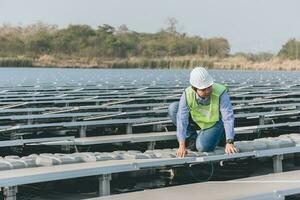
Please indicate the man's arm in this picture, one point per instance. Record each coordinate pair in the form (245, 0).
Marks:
(182, 124)
(228, 121)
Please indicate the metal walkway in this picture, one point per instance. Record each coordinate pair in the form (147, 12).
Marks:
(267, 187)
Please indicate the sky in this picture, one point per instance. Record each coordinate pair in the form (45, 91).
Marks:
(249, 25)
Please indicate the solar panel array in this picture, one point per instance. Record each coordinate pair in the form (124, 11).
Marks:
(120, 107)
(133, 107)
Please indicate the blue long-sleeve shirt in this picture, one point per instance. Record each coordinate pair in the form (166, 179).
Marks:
(226, 111)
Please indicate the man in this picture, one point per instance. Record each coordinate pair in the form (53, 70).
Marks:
(205, 105)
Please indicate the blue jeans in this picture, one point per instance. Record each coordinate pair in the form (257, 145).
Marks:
(206, 140)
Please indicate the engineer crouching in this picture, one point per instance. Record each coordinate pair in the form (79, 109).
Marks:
(203, 106)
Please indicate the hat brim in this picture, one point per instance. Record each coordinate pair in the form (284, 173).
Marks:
(205, 86)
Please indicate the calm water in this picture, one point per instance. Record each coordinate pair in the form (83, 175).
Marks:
(58, 76)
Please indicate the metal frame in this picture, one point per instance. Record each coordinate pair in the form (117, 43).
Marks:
(17, 177)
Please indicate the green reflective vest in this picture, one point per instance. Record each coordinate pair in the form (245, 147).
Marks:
(205, 116)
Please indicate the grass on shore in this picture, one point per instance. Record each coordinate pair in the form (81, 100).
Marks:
(16, 62)
(239, 63)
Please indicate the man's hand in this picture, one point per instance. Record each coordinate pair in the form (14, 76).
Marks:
(230, 148)
(181, 152)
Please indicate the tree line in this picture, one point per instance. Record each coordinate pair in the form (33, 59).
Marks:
(105, 41)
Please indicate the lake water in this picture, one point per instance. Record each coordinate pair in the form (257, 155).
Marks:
(61, 76)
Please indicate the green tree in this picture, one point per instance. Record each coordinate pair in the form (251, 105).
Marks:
(73, 40)
(40, 43)
(290, 50)
(218, 47)
(11, 45)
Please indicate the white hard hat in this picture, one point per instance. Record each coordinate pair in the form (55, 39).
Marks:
(200, 78)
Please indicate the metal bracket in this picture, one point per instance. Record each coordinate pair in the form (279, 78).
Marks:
(151, 145)
(10, 193)
(277, 163)
(82, 131)
(157, 127)
(129, 129)
(261, 120)
(104, 185)
(29, 121)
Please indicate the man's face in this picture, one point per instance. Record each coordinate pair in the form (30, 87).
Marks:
(204, 93)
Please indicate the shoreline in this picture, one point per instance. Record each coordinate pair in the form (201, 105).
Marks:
(184, 62)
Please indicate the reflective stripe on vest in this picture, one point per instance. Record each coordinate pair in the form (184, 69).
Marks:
(205, 116)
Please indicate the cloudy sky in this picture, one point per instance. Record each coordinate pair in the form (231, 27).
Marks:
(249, 25)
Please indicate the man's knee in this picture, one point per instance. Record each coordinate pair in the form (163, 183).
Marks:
(205, 144)
(204, 147)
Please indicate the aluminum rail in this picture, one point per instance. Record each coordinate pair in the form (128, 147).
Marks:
(156, 136)
(133, 138)
(10, 179)
(21, 142)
